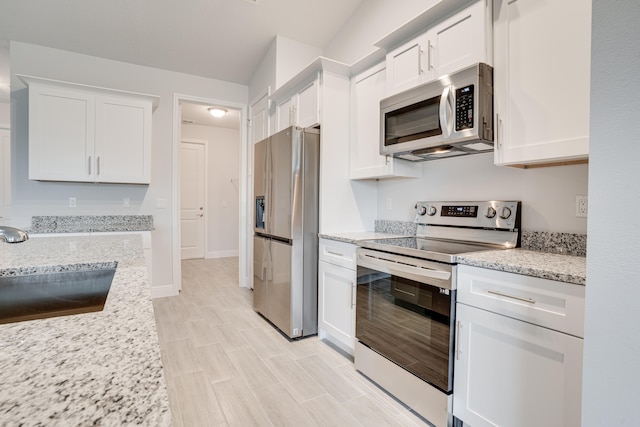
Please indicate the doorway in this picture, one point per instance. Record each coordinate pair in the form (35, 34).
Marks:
(209, 183)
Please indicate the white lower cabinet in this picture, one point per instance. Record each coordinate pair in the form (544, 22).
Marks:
(509, 372)
(336, 294)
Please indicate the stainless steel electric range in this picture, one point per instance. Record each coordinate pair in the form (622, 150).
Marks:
(406, 295)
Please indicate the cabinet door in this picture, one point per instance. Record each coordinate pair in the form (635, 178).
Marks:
(61, 134)
(336, 305)
(407, 65)
(284, 114)
(260, 120)
(459, 41)
(123, 140)
(307, 105)
(366, 162)
(541, 80)
(513, 373)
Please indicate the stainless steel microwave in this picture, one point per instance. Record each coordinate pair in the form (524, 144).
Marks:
(448, 117)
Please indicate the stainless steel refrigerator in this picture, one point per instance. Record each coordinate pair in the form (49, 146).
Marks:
(285, 242)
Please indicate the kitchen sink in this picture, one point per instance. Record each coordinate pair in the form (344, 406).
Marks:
(37, 296)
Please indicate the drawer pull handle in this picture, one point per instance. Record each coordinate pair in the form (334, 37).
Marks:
(335, 253)
(502, 294)
(457, 344)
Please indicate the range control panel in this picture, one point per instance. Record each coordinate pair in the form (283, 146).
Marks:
(486, 214)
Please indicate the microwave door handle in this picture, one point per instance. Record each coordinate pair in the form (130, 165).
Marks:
(446, 111)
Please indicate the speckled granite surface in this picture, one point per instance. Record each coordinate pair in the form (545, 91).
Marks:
(88, 223)
(395, 227)
(358, 235)
(563, 268)
(100, 368)
(558, 243)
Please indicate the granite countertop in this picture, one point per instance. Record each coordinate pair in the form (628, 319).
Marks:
(354, 237)
(101, 368)
(563, 268)
(560, 267)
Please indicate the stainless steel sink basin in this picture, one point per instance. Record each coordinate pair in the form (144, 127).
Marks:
(37, 296)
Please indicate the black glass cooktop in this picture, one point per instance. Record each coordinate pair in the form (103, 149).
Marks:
(430, 249)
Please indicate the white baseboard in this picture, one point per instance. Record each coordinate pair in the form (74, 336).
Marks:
(164, 291)
(222, 254)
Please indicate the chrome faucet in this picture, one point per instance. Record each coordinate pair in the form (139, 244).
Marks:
(12, 235)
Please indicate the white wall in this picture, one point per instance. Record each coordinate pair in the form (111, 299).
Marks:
(4, 82)
(548, 195)
(291, 58)
(612, 329)
(264, 77)
(284, 59)
(371, 21)
(4, 113)
(222, 211)
(50, 198)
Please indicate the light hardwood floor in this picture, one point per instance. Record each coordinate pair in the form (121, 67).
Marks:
(227, 366)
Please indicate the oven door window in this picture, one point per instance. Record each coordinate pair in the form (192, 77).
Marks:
(407, 322)
(416, 121)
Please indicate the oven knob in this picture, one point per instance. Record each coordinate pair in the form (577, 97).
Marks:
(421, 210)
(431, 211)
(506, 213)
(491, 212)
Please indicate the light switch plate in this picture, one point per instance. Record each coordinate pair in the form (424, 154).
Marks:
(161, 203)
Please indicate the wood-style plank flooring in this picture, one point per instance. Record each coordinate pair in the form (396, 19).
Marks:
(227, 366)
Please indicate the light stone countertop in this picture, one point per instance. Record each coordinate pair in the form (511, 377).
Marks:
(562, 268)
(354, 237)
(101, 368)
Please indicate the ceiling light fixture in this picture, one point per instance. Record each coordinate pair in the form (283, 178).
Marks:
(217, 111)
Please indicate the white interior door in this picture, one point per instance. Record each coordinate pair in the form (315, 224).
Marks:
(192, 199)
(5, 174)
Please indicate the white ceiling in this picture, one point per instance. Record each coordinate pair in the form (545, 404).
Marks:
(200, 116)
(220, 39)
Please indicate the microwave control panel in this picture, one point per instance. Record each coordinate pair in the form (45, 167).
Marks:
(464, 108)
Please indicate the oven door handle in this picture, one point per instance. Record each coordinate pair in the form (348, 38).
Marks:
(396, 268)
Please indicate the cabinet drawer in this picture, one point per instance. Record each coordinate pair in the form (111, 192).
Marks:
(338, 253)
(548, 303)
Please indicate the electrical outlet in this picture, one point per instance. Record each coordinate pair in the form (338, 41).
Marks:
(582, 206)
(126, 202)
(389, 203)
(72, 202)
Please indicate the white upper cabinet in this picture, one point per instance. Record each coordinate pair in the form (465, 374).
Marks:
(260, 119)
(123, 140)
(541, 80)
(407, 66)
(84, 134)
(366, 162)
(301, 109)
(456, 42)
